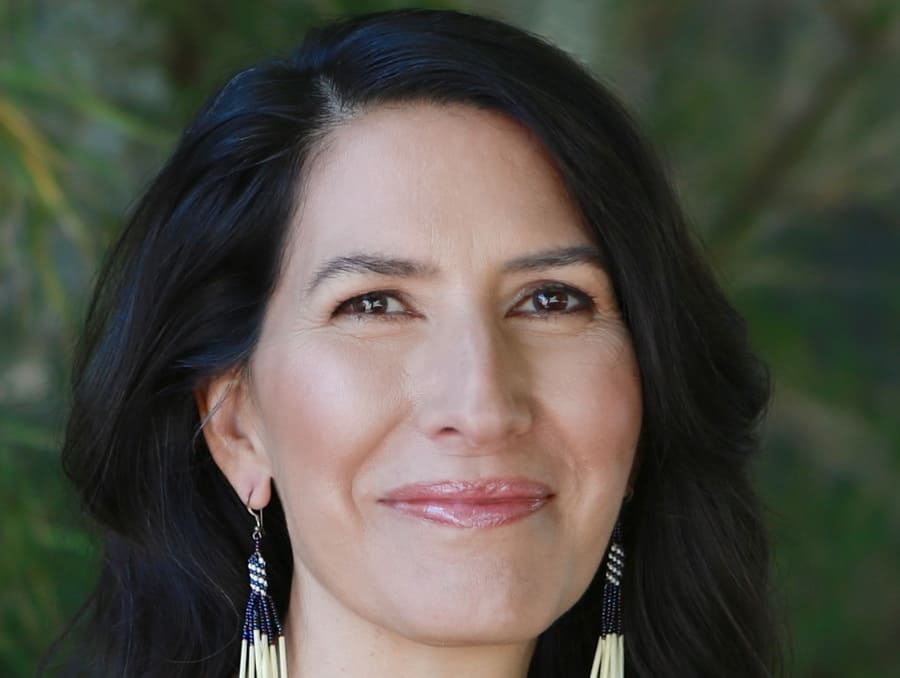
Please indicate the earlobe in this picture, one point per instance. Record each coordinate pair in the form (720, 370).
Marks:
(230, 427)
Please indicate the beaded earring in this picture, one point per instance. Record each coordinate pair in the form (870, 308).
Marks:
(609, 659)
(262, 641)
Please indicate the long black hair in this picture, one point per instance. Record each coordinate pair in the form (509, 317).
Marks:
(182, 297)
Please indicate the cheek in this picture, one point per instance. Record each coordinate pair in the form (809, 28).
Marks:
(591, 398)
(609, 407)
(324, 403)
(591, 391)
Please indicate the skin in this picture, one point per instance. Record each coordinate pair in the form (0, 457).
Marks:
(460, 374)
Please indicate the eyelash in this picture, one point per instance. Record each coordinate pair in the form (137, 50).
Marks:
(586, 303)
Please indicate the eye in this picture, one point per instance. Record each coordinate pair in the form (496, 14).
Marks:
(380, 303)
(555, 300)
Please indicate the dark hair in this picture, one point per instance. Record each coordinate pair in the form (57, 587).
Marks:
(182, 297)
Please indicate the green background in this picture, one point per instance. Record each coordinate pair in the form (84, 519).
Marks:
(779, 121)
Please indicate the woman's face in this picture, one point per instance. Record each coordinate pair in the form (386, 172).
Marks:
(444, 389)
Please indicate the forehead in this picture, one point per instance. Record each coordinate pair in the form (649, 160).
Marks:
(431, 181)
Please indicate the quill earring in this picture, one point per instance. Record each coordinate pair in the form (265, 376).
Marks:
(609, 659)
(262, 641)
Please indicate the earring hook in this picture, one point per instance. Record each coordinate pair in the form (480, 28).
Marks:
(258, 517)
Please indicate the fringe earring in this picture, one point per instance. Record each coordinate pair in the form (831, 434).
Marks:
(609, 659)
(262, 641)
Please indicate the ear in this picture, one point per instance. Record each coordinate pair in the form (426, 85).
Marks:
(230, 424)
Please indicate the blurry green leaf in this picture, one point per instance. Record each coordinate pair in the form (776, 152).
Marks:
(15, 433)
(20, 78)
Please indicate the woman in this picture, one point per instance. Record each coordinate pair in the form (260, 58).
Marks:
(422, 295)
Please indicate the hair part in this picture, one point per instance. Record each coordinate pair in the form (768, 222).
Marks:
(183, 295)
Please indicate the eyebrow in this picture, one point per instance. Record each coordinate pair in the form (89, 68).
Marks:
(561, 256)
(409, 268)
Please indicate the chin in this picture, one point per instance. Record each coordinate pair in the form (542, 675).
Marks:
(476, 620)
(466, 634)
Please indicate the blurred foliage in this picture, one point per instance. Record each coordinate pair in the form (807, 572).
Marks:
(779, 119)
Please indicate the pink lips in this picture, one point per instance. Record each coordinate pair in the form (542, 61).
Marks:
(469, 504)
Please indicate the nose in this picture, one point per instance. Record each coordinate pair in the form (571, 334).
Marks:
(473, 387)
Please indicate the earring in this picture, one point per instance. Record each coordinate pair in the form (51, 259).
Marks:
(262, 641)
(609, 659)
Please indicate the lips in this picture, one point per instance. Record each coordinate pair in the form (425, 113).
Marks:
(470, 504)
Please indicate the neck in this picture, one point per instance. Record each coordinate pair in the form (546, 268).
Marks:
(327, 640)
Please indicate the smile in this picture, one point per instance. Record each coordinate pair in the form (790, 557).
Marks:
(470, 504)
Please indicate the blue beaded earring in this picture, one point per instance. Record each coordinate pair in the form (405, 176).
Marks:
(609, 659)
(262, 641)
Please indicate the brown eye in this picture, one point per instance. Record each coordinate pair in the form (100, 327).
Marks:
(556, 300)
(371, 303)
(551, 301)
